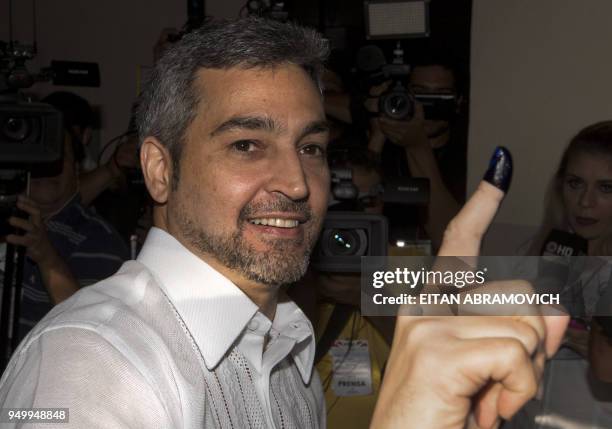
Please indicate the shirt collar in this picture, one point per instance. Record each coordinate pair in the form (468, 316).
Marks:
(213, 308)
(290, 321)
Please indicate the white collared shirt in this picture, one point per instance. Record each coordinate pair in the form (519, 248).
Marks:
(168, 342)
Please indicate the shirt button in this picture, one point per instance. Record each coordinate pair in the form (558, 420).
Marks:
(253, 325)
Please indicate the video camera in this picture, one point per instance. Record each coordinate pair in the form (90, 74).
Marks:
(349, 232)
(31, 133)
(398, 102)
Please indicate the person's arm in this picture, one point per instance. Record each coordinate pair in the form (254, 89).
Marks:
(93, 183)
(422, 163)
(442, 369)
(56, 275)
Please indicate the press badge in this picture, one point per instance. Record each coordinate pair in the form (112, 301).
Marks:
(352, 368)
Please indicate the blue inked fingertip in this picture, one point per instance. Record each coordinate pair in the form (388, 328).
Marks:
(499, 173)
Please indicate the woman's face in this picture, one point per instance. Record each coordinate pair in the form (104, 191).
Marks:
(587, 194)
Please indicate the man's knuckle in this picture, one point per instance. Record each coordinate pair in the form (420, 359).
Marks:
(528, 335)
(515, 352)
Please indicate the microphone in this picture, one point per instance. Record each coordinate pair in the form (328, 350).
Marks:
(556, 267)
(564, 244)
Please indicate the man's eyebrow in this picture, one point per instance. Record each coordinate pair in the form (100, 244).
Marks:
(267, 124)
(316, 127)
(246, 123)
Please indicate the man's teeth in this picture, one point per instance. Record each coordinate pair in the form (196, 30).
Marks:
(279, 223)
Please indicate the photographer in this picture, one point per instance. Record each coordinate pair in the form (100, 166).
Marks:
(421, 147)
(79, 119)
(66, 245)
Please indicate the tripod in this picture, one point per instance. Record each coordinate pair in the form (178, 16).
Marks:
(11, 302)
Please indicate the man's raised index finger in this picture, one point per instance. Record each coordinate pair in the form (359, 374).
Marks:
(464, 233)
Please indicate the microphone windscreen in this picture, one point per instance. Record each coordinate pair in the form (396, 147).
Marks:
(563, 243)
(555, 267)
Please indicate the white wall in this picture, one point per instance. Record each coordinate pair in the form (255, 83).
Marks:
(540, 71)
(117, 34)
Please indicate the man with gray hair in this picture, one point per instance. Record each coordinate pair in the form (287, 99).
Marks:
(198, 332)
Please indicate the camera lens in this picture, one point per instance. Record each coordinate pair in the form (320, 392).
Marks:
(397, 105)
(346, 242)
(16, 129)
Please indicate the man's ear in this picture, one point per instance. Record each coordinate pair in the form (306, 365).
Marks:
(156, 166)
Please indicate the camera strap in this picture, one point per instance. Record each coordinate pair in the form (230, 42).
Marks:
(340, 315)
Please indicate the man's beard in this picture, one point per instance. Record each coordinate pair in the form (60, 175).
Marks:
(284, 262)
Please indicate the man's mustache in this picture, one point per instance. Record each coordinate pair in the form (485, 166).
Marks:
(301, 208)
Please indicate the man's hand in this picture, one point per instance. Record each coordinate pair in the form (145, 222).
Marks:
(443, 368)
(35, 238)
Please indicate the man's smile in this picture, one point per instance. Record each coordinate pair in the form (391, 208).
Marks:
(283, 225)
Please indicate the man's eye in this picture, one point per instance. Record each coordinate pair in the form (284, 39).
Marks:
(244, 145)
(313, 150)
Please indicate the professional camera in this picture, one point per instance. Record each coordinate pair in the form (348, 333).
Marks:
(31, 134)
(348, 232)
(398, 102)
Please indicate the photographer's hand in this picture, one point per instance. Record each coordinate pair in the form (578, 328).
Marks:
(406, 133)
(110, 175)
(56, 275)
(126, 154)
(442, 368)
(34, 238)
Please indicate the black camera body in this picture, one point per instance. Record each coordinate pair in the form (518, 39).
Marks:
(398, 102)
(30, 133)
(349, 233)
(346, 237)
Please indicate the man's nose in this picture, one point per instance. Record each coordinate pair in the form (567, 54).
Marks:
(287, 176)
